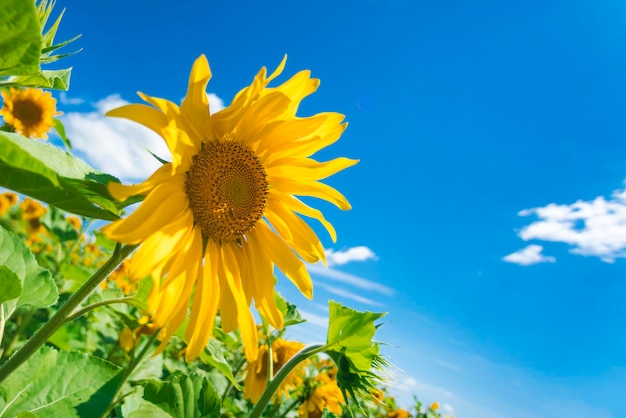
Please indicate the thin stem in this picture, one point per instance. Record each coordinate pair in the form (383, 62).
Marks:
(236, 369)
(130, 301)
(132, 365)
(290, 407)
(64, 311)
(284, 371)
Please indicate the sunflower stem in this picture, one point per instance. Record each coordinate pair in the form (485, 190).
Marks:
(64, 311)
(284, 371)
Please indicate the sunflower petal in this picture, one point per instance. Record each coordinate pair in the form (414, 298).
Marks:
(195, 106)
(314, 189)
(306, 169)
(164, 203)
(279, 252)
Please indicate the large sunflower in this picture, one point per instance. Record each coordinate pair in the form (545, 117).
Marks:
(218, 218)
(30, 111)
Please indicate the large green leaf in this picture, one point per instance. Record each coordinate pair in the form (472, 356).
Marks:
(350, 344)
(20, 38)
(55, 383)
(10, 284)
(180, 396)
(49, 174)
(38, 287)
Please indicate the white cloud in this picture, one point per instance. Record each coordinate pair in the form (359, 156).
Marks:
(118, 146)
(348, 295)
(320, 270)
(113, 145)
(361, 253)
(70, 101)
(593, 228)
(529, 255)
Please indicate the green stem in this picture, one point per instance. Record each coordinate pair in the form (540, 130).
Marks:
(284, 371)
(130, 301)
(134, 362)
(64, 311)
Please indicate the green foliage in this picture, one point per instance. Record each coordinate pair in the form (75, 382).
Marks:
(20, 38)
(180, 396)
(37, 287)
(350, 345)
(55, 383)
(56, 177)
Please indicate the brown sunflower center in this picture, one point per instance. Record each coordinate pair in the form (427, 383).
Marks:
(28, 112)
(227, 189)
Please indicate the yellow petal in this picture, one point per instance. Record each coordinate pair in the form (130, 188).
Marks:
(161, 175)
(314, 189)
(306, 169)
(258, 115)
(164, 203)
(294, 231)
(279, 252)
(291, 132)
(296, 88)
(263, 282)
(195, 106)
(298, 206)
(247, 327)
(205, 303)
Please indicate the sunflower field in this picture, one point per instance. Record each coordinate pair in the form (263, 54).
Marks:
(158, 299)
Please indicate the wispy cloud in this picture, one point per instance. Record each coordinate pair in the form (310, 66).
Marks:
(314, 319)
(528, 256)
(118, 146)
(320, 270)
(70, 101)
(348, 295)
(592, 228)
(361, 253)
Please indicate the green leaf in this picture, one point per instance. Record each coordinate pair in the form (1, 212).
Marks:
(60, 130)
(290, 312)
(42, 171)
(10, 284)
(55, 383)
(56, 222)
(216, 359)
(20, 38)
(73, 277)
(48, 79)
(180, 396)
(103, 241)
(38, 287)
(350, 345)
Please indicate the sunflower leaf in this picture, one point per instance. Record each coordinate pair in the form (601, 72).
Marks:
(60, 130)
(20, 38)
(55, 383)
(216, 359)
(10, 284)
(290, 312)
(180, 396)
(37, 286)
(48, 79)
(51, 175)
(350, 345)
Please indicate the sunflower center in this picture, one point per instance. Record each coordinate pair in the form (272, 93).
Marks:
(27, 112)
(227, 189)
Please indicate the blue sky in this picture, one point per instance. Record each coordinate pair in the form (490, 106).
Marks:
(489, 206)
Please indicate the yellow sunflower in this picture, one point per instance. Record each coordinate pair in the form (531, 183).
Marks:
(29, 111)
(256, 377)
(326, 395)
(218, 218)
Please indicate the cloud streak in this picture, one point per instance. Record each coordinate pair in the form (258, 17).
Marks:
(358, 282)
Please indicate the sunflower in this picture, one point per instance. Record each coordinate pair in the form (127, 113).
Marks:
(256, 377)
(29, 111)
(218, 217)
(326, 395)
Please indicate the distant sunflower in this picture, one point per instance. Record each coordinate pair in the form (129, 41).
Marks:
(224, 211)
(30, 111)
